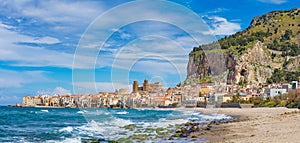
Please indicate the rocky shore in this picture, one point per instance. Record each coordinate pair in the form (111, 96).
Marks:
(253, 125)
(188, 129)
(247, 125)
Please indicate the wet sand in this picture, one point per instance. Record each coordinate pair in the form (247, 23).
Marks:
(259, 125)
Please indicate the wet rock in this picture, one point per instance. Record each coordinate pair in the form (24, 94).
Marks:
(93, 140)
(160, 131)
(195, 128)
(124, 140)
(206, 127)
(184, 132)
(149, 130)
(140, 137)
(177, 135)
(188, 124)
(130, 127)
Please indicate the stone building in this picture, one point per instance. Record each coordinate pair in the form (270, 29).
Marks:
(135, 86)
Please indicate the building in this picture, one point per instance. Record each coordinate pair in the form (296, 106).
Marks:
(294, 84)
(123, 91)
(28, 101)
(135, 86)
(276, 91)
(162, 101)
(205, 91)
(54, 101)
(216, 99)
(227, 98)
(146, 85)
(38, 100)
(155, 87)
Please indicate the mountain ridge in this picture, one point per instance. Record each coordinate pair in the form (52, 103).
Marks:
(267, 51)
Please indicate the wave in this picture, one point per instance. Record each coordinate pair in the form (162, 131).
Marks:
(66, 129)
(122, 113)
(67, 140)
(71, 140)
(44, 111)
(107, 125)
(80, 112)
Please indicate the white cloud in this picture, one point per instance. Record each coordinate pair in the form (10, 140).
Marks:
(61, 91)
(56, 16)
(217, 10)
(55, 10)
(6, 26)
(57, 90)
(160, 11)
(10, 78)
(23, 55)
(43, 40)
(125, 35)
(274, 1)
(152, 53)
(88, 87)
(221, 26)
(9, 35)
(7, 99)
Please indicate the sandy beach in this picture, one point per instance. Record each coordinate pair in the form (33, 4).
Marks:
(259, 125)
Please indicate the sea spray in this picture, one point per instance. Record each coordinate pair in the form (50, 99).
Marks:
(63, 125)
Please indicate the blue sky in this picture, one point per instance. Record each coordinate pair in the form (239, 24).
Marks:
(39, 40)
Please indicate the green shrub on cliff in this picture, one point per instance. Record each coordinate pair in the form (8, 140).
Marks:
(283, 76)
(278, 33)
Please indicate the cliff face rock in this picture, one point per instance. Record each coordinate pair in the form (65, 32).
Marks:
(293, 64)
(254, 67)
(269, 46)
(269, 17)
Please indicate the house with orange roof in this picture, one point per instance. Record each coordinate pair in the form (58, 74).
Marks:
(54, 101)
(162, 101)
(38, 100)
(27, 101)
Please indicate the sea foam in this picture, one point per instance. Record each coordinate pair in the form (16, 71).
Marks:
(44, 111)
(122, 113)
(66, 129)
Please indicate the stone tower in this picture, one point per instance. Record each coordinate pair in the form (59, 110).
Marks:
(135, 86)
(146, 85)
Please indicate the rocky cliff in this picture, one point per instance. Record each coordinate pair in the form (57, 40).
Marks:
(268, 47)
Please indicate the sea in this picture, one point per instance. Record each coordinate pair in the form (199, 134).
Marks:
(69, 125)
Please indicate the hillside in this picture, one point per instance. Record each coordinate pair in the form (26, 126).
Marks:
(267, 51)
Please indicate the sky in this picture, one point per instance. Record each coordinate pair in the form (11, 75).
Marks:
(60, 47)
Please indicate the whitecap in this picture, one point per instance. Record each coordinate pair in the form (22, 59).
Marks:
(122, 113)
(111, 128)
(67, 140)
(71, 140)
(45, 111)
(66, 129)
(80, 112)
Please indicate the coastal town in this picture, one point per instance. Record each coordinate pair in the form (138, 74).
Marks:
(153, 95)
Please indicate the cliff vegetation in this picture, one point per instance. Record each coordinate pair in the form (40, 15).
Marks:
(267, 51)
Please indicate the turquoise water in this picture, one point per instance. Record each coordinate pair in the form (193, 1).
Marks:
(75, 125)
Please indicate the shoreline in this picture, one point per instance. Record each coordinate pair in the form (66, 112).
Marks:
(278, 124)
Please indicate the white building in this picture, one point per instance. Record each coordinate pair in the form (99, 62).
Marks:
(294, 84)
(275, 91)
